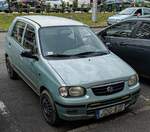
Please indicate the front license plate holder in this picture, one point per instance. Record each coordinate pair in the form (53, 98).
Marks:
(109, 111)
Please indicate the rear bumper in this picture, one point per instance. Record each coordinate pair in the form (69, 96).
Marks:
(87, 111)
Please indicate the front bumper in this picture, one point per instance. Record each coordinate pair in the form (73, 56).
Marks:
(87, 111)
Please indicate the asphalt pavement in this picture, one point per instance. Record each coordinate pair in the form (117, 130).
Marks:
(20, 110)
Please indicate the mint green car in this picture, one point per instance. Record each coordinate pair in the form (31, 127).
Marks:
(71, 70)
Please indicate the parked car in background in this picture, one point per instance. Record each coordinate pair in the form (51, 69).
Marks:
(128, 13)
(26, 6)
(76, 76)
(54, 4)
(131, 41)
(4, 6)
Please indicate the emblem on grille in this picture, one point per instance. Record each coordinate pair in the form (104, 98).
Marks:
(110, 89)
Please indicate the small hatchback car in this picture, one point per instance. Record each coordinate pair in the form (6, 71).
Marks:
(71, 70)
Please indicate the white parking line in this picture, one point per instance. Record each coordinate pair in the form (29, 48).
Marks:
(3, 109)
(9, 119)
(144, 98)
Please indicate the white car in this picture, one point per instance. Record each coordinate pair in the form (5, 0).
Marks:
(54, 3)
(129, 13)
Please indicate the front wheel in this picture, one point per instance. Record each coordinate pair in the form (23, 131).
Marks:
(48, 108)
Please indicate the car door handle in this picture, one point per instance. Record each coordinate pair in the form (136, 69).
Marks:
(9, 45)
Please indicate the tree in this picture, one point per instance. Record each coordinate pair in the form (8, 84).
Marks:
(63, 5)
(75, 5)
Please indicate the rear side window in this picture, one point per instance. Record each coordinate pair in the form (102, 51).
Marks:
(121, 30)
(29, 41)
(18, 30)
(143, 31)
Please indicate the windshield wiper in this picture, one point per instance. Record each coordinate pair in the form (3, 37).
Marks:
(58, 55)
(91, 53)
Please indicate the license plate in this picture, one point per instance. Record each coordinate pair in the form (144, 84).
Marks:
(110, 110)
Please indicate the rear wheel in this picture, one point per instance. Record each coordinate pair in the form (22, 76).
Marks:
(12, 74)
(48, 108)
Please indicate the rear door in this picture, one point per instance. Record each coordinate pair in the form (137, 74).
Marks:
(141, 46)
(118, 37)
(15, 44)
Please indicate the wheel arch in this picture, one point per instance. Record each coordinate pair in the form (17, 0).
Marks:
(42, 88)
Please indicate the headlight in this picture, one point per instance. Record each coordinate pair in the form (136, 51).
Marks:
(133, 80)
(72, 91)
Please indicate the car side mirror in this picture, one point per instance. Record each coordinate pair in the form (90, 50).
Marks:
(28, 54)
(108, 45)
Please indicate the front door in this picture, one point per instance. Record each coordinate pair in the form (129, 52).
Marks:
(118, 37)
(141, 45)
(30, 65)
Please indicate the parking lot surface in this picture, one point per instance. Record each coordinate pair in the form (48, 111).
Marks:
(20, 110)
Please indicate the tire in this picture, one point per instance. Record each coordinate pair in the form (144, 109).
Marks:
(48, 108)
(12, 74)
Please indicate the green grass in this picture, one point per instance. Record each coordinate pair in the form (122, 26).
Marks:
(6, 19)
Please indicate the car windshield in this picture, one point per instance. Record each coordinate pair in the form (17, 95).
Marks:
(70, 41)
(127, 11)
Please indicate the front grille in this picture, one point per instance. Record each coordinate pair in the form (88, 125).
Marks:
(108, 89)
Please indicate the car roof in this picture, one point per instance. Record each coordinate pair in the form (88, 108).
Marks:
(45, 21)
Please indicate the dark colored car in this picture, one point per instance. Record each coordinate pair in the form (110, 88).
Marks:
(131, 41)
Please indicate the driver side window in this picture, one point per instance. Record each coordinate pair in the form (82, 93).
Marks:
(29, 41)
(121, 30)
(138, 12)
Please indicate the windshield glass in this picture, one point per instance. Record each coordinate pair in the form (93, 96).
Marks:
(69, 40)
(127, 11)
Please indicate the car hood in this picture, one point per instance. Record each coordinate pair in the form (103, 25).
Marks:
(99, 69)
(119, 17)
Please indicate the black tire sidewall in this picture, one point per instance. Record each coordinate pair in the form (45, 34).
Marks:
(54, 120)
(9, 68)
(12, 74)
